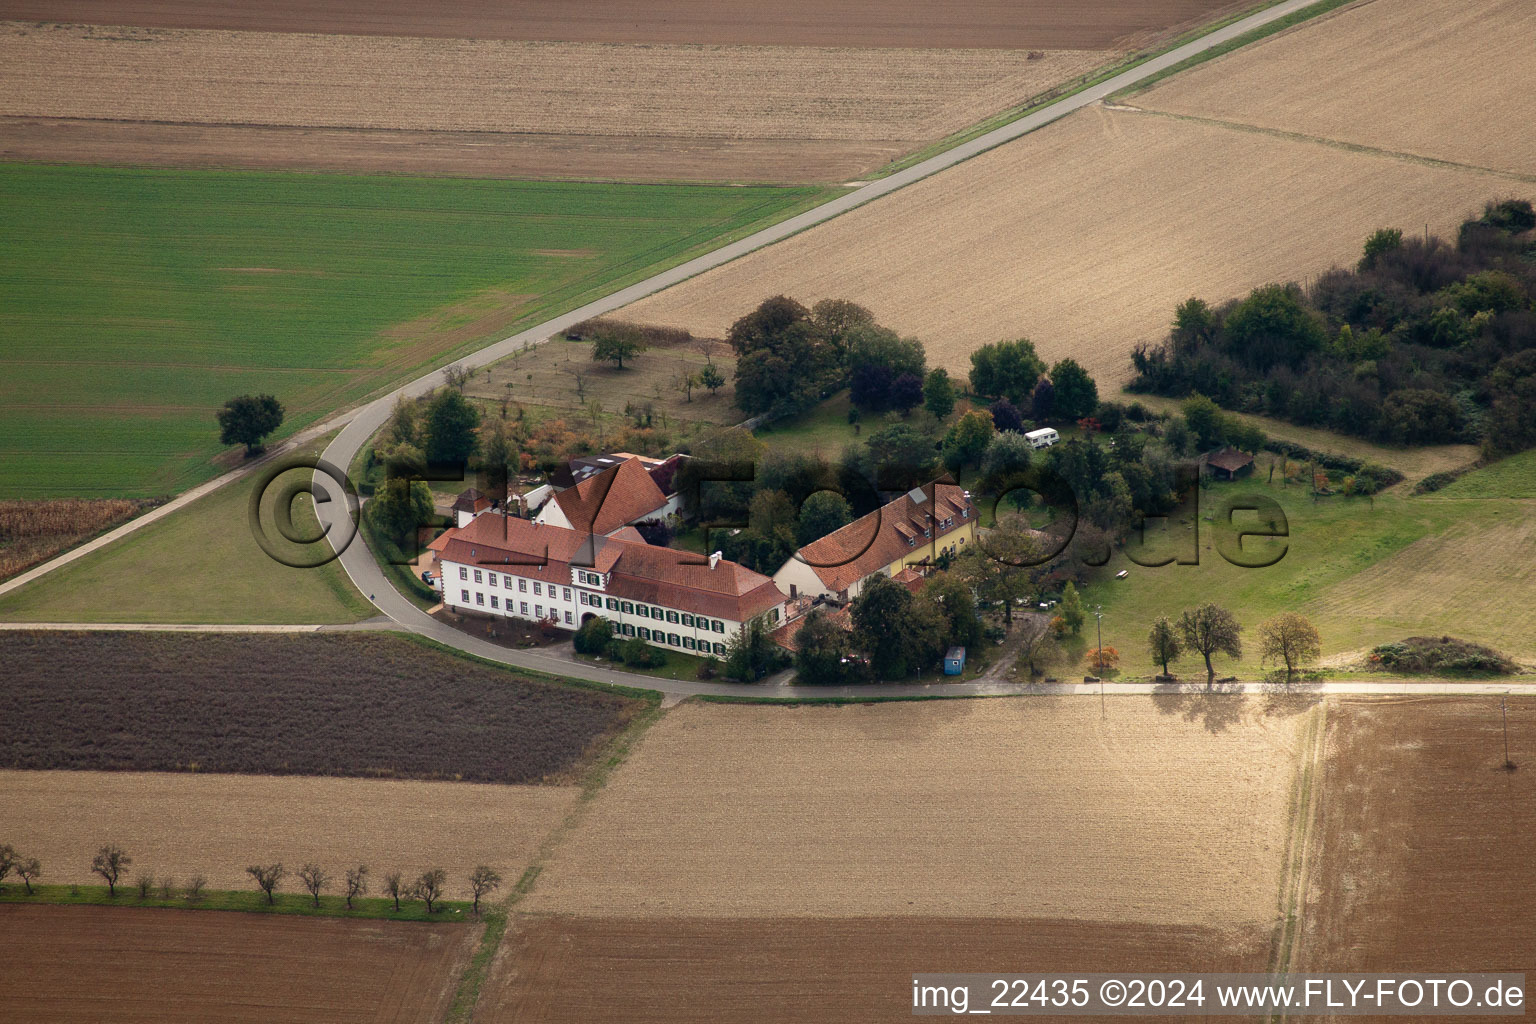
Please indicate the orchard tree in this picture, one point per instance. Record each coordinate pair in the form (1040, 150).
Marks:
(482, 881)
(248, 420)
(429, 887)
(267, 876)
(8, 860)
(28, 869)
(711, 377)
(939, 393)
(617, 342)
(1163, 643)
(314, 879)
(1290, 638)
(356, 883)
(109, 864)
(1211, 629)
(394, 888)
(1074, 393)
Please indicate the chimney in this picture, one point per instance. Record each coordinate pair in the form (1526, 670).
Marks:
(714, 559)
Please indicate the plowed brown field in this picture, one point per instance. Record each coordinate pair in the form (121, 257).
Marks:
(676, 971)
(1019, 809)
(1007, 24)
(1424, 855)
(1084, 236)
(214, 825)
(85, 965)
(1435, 78)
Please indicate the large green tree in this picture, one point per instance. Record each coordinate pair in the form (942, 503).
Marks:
(1075, 394)
(450, 425)
(1006, 369)
(898, 635)
(967, 440)
(822, 513)
(248, 420)
(616, 342)
(823, 651)
(939, 393)
(1210, 630)
(786, 362)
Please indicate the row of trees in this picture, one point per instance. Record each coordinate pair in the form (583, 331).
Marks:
(28, 869)
(1012, 372)
(1423, 342)
(112, 862)
(1209, 630)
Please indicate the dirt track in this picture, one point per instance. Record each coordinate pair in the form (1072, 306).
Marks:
(86, 965)
(680, 971)
(181, 825)
(1005, 24)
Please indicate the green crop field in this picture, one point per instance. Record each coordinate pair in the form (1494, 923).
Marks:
(1365, 573)
(134, 302)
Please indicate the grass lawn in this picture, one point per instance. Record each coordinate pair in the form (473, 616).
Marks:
(133, 302)
(1364, 573)
(824, 429)
(678, 665)
(1513, 477)
(252, 902)
(198, 564)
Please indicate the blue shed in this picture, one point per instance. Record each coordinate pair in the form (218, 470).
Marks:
(954, 661)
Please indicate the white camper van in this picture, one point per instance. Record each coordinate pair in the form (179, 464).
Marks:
(1042, 438)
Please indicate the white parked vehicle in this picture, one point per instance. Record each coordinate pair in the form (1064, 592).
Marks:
(1042, 438)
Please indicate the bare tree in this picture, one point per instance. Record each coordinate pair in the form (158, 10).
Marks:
(109, 864)
(167, 887)
(314, 878)
(7, 860)
(394, 886)
(686, 382)
(429, 887)
(267, 876)
(706, 347)
(145, 883)
(27, 870)
(1291, 638)
(482, 881)
(357, 883)
(455, 376)
(1211, 629)
(1163, 643)
(196, 886)
(579, 373)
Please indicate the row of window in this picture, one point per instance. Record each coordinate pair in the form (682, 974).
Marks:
(522, 607)
(613, 604)
(522, 584)
(687, 643)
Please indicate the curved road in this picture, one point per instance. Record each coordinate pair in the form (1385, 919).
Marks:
(370, 580)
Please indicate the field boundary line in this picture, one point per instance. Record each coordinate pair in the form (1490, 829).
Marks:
(1306, 804)
(1323, 140)
(466, 996)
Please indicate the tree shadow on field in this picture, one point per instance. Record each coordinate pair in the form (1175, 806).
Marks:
(1286, 699)
(1218, 709)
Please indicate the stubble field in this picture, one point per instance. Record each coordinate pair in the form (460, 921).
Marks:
(1085, 234)
(1005, 24)
(1018, 809)
(1376, 74)
(799, 864)
(181, 825)
(89, 964)
(845, 111)
(1423, 857)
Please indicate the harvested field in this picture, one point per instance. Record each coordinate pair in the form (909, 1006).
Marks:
(1427, 77)
(1084, 236)
(668, 970)
(1016, 809)
(354, 704)
(32, 532)
(1423, 860)
(486, 98)
(183, 825)
(1093, 24)
(90, 964)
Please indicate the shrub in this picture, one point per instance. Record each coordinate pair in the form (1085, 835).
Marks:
(594, 637)
(1422, 654)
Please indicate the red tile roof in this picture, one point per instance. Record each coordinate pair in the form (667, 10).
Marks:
(869, 544)
(608, 500)
(1229, 459)
(636, 571)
